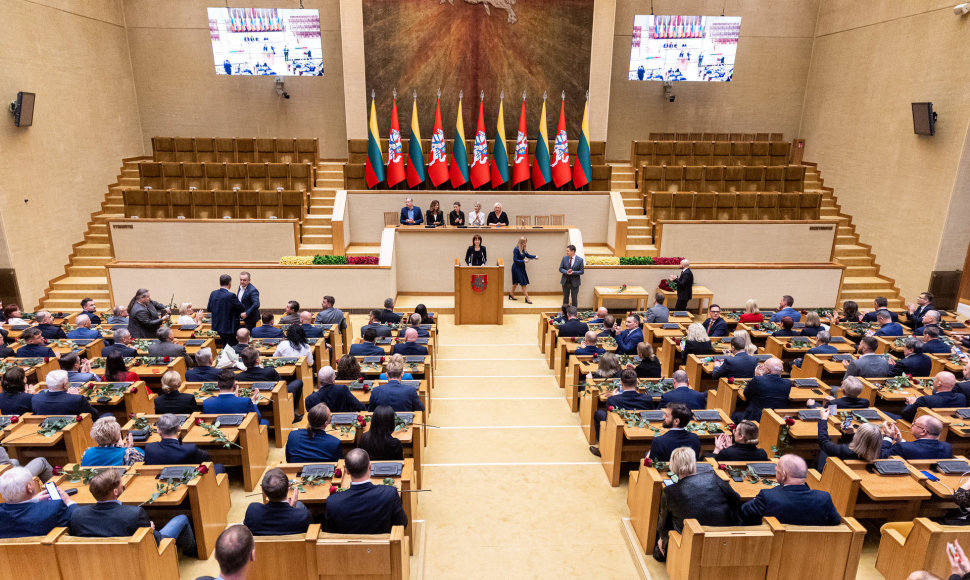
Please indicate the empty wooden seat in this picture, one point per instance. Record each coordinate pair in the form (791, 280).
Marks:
(150, 175)
(661, 205)
(225, 203)
(709, 553)
(184, 149)
(726, 205)
(270, 204)
(257, 175)
(171, 175)
(205, 150)
(779, 152)
(286, 151)
(204, 204)
(740, 152)
(774, 178)
(247, 204)
(733, 178)
(163, 149)
(159, 206)
(722, 153)
(703, 153)
(181, 203)
(301, 176)
(694, 178)
(136, 202)
(225, 150)
(277, 176)
(683, 152)
(663, 152)
(237, 176)
(810, 205)
(760, 153)
(705, 205)
(557, 219)
(754, 178)
(761, 136)
(136, 556)
(245, 150)
(215, 176)
(747, 206)
(602, 178)
(652, 178)
(795, 178)
(767, 205)
(683, 205)
(788, 206)
(917, 545)
(266, 150)
(541, 220)
(308, 150)
(523, 220)
(674, 177)
(391, 218)
(291, 205)
(193, 175)
(799, 547)
(714, 178)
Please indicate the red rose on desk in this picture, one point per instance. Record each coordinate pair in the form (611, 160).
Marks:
(47, 359)
(730, 380)
(133, 390)
(789, 421)
(360, 379)
(609, 409)
(722, 467)
(166, 359)
(79, 418)
(382, 359)
(202, 469)
(338, 472)
(137, 363)
(647, 462)
(366, 388)
(732, 426)
(192, 335)
(57, 470)
(333, 489)
(787, 345)
(361, 420)
(15, 419)
(198, 420)
(131, 415)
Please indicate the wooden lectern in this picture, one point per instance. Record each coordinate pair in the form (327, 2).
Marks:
(479, 291)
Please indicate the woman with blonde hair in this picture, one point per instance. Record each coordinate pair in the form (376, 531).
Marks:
(696, 341)
(171, 399)
(519, 277)
(749, 347)
(649, 367)
(813, 324)
(866, 444)
(187, 315)
(476, 218)
(106, 432)
(751, 313)
(608, 367)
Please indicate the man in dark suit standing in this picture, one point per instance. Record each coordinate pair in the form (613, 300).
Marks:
(740, 366)
(715, 325)
(280, 515)
(410, 346)
(394, 394)
(146, 315)
(573, 327)
(926, 442)
(21, 516)
(683, 394)
(768, 391)
(171, 451)
(571, 268)
(685, 285)
(367, 348)
(248, 296)
(792, 502)
(914, 363)
(676, 417)
(365, 508)
(917, 311)
(224, 307)
(626, 397)
(943, 397)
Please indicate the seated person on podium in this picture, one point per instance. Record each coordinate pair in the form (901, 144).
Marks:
(497, 217)
(434, 216)
(78, 372)
(769, 391)
(374, 322)
(943, 397)
(203, 370)
(696, 342)
(926, 442)
(122, 340)
(704, 497)
(306, 323)
(822, 346)
(109, 518)
(367, 348)
(785, 309)
(740, 365)
(573, 327)
(932, 343)
(714, 325)
(590, 347)
(83, 330)
(683, 394)
(676, 417)
(337, 398)
(171, 400)
(313, 444)
(15, 400)
(266, 329)
(649, 367)
(171, 451)
(813, 324)
(401, 398)
(887, 326)
(869, 364)
(51, 331)
(786, 330)
(365, 508)
(914, 363)
(630, 337)
(34, 345)
(280, 515)
(866, 443)
(411, 214)
(792, 502)
(742, 445)
(410, 345)
(476, 218)
(227, 401)
(476, 255)
(291, 313)
(851, 389)
(378, 441)
(58, 399)
(415, 321)
(28, 511)
(456, 217)
(111, 450)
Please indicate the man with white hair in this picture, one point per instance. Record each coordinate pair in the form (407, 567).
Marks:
(930, 319)
(119, 315)
(57, 399)
(411, 214)
(768, 391)
(122, 340)
(415, 321)
(337, 398)
(25, 512)
(410, 345)
(47, 328)
(685, 284)
(792, 502)
(83, 330)
(203, 370)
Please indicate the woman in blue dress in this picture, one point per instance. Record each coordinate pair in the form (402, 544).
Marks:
(519, 278)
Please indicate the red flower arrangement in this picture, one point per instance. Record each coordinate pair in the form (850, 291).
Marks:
(674, 261)
(192, 335)
(665, 286)
(202, 469)
(361, 420)
(366, 388)
(382, 359)
(363, 260)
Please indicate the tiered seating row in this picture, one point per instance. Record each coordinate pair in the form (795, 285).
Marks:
(722, 178)
(717, 137)
(191, 175)
(215, 204)
(730, 205)
(710, 153)
(235, 150)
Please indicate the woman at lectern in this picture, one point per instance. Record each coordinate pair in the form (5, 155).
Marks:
(475, 254)
(434, 216)
(519, 277)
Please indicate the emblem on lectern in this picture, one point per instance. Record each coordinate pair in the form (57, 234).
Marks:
(479, 282)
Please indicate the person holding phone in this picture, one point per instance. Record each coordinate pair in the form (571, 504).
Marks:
(959, 565)
(27, 511)
(865, 444)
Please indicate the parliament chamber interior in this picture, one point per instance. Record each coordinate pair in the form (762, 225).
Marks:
(702, 313)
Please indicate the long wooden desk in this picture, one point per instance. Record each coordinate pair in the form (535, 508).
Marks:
(250, 450)
(23, 441)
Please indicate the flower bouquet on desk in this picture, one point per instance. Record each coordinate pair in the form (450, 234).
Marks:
(668, 285)
(621, 289)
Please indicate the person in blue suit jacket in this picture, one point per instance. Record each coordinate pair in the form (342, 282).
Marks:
(590, 346)
(573, 326)
(740, 366)
(306, 322)
(224, 308)
(676, 417)
(49, 330)
(227, 402)
(337, 398)
(881, 304)
(248, 296)
(888, 328)
(572, 269)
(785, 309)
(629, 338)
(365, 508)
(626, 397)
(56, 400)
(769, 391)
(410, 347)
(122, 338)
(792, 502)
(822, 346)
(394, 394)
(280, 515)
(367, 348)
(84, 330)
(932, 343)
(313, 444)
(913, 363)
(943, 397)
(715, 325)
(34, 345)
(411, 214)
(266, 329)
(203, 371)
(171, 451)
(926, 442)
(20, 516)
(683, 394)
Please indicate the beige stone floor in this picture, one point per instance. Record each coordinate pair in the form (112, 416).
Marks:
(515, 492)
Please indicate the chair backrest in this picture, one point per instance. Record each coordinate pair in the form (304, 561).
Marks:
(709, 553)
(920, 546)
(542, 220)
(97, 558)
(557, 219)
(391, 218)
(374, 557)
(284, 556)
(683, 205)
(33, 555)
(523, 220)
(163, 149)
(798, 548)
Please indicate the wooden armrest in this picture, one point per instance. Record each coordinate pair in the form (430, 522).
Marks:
(898, 531)
(53, 536)
(813, 478)
(673, 538)
(166, 545)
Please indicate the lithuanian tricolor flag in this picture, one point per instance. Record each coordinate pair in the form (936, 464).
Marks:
(415, 168)
(541, 170)
(582, 172)
(374, 170)
(500, 157)
(459, 155)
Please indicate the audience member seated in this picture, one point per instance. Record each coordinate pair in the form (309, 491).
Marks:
(943, 397)
(740, 365)
(456, 217)
(607, 367)
(89, 308)
(792, 502)
(609, 327)
(122, 341)
(38, 466)
(813, 325)
(822, 346)
(398, 396)
(76, 372)
(291, 313)
(601, 313)
(119, 316)
(887, 326)
(12, 315)
(5, 351)
(930, 320)
(625, 397)
(865, 444)
(228, 401)
(348, 369)
(280, 515)
(630, 337)
(367, 348)
(497, 217)
(915, 312)
(434, 216)
(851, 389)
(171, 400)
(14, 400)
(266, 329)
(914, 363)
(658, 313)
(170, 450)
(676, 417)
(379, 441)
(869, 364)
(34, 345)
(203, 371)
(749, 346)
(881, 304)
(426, 318)
(961, 387)
(850, 312)
(109, 518)
(235, 552)
(787, 324)
(696, 342)
(415, 321)
(374, 322)
(111, 450)
(167, 346)
(590, 346)
(116, 371)
(410, 346)
(573, 326)
(242, 340)
(256, 372)
(188, 315)
(649, 367)
(331, 315)
(683, 394)
(704, 497)
(785, 309)
(51, 331)
(337, 398)
(296, 344)
(926, 442)
(768, 391)
(313, 444)
(58, 399)
(411, 214)
(714, 325)
(751, 313)
(742, 445)
(365, 508)
(932, 343)
(388, 316)
(28, 511)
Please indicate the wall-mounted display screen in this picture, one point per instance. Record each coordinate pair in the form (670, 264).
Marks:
(684, 48)
(266, 41)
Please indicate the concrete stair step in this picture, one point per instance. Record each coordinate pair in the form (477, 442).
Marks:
(313, 249)
(76, 295)
(86, 271)
(641, 250)
(864, 283)
(89, 249)
(850, 250)
(859, 271)
(363, 250)
(82, 283)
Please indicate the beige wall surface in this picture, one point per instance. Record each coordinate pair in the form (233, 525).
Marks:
(179, 93)
(136, 240)
(871, 60)
(74, 56)
(748, 241)
(765, 96)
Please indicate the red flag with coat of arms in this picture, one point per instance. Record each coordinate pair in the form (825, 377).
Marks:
(479, 170)
(561, 174)
(438, 168)
(520, 171)
(395, 156)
